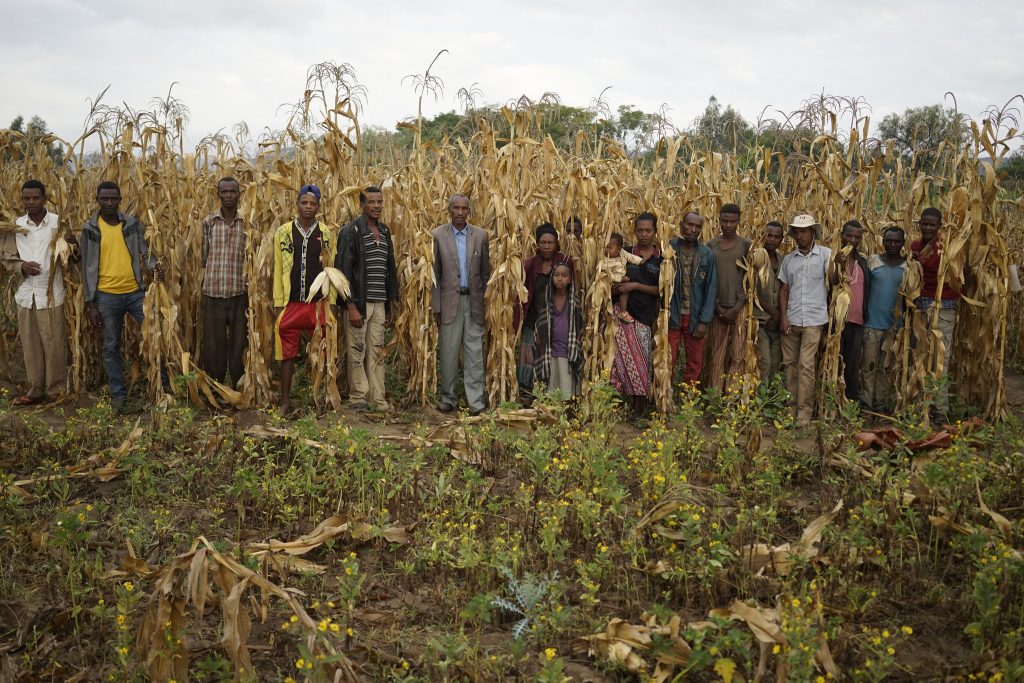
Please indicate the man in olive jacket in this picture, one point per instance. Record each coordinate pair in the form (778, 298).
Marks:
(366, 255)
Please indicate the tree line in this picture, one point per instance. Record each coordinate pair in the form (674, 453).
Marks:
(916, 133)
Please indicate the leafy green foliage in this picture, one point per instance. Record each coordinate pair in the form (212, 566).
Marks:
(36, 129)
(919, 131)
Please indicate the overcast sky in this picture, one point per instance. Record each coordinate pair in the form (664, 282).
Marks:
(240, 61)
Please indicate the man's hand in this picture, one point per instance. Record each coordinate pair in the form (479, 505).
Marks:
(437, 319)
(786, 327)
(30, 268)
(355, 319)
(772, 324)
(71, 238)
(732, 313)
(277, 311)
(93, 311)
(389, 317)
(702, 329)
(158, 273)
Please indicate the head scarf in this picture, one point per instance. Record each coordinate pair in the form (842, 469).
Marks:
(545, 229)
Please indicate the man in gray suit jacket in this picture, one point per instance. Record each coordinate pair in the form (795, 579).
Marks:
(461, 270)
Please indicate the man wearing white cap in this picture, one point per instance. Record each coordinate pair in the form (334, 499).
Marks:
(803, 302)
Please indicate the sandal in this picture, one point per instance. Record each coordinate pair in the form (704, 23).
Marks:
(26, 400)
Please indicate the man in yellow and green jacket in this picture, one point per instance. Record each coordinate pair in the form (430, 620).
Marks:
(302, 247)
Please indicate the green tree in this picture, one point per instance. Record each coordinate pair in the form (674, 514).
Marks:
(563, 122)
(36, 129)
(721, 130)
(919, 131)
(639, 131)
(444, 126)
(636, 130)
(1011, 171)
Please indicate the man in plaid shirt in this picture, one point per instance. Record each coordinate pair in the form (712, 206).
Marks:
(225, 290)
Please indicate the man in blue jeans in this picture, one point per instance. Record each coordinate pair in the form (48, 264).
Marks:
(114, 256)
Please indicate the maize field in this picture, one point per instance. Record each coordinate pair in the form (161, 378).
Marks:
(517, 180)
(198, 542)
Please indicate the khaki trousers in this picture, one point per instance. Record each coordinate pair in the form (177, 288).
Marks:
(800, 364)
(728, 345)
(876, 391)
(365, 369)
(43, 334)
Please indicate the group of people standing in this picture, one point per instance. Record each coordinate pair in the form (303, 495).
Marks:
(115, 258)
(874, 283)
(709, 304)
(792, 304)
(113, 254)
(116, 263)
(707, 311)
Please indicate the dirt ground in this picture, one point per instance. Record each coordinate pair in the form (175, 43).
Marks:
(398, 425)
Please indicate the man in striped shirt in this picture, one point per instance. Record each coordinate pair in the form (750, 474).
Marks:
(225, 290)
(366, 255)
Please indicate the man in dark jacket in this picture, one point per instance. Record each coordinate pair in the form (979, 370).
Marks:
(694, 295)
(853, 268)
(366, 255)
(114, 257)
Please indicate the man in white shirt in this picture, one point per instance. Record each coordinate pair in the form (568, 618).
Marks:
(803, 303)
(28, 254)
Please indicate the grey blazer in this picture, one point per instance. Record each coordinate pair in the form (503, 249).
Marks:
(444, 296)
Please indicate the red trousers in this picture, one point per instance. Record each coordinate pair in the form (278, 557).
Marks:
(296, 318)
(692, 347)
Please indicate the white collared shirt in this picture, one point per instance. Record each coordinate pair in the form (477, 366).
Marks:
(35, 245)
(808, 293)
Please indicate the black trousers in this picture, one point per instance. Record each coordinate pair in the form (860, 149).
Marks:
(225, 336)
(851, 348)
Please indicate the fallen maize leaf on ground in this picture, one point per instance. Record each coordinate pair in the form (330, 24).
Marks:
(627, 644)
(887, 438)
(760, 558)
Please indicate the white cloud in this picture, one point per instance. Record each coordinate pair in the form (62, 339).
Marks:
(236, 62)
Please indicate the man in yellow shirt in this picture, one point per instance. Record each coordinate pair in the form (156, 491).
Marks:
(114, 256)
